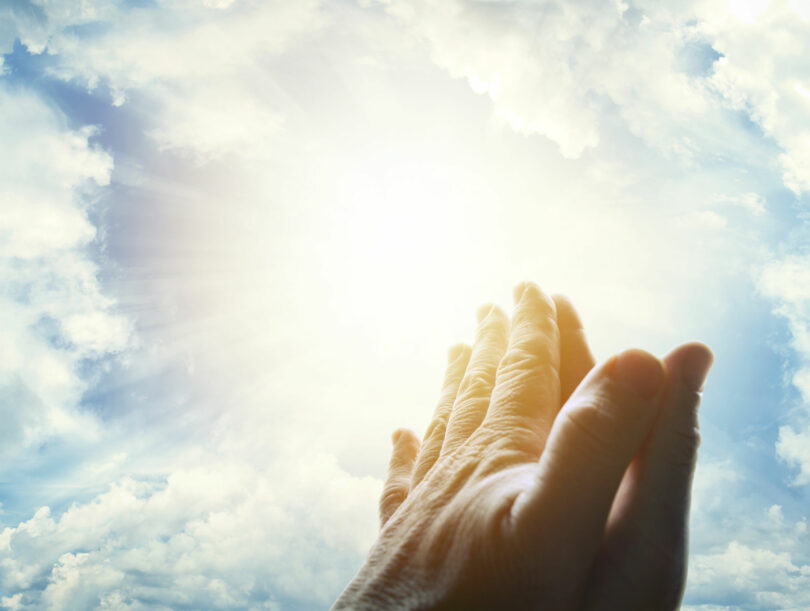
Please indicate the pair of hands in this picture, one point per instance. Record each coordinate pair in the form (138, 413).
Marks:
(543, 480)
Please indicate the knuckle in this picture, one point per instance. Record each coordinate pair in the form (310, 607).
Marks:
(516, 359)
(515, 436)
(532, 324)
(536, 312)
(389, 504)
(532, 355)
(393, 495)
(506, 447)
(464, 422)
(477, 382)
(436, 428)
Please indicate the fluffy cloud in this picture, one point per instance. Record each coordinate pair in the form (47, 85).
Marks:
(765, 73)
(227, 532)
(750, 578)
(559, 69)
(223, 534)
(52, 309)
(765, 564)
(197, 65)
(556, 68)
(745, 553)
(787, 282)
(794, 448)
(206, 129)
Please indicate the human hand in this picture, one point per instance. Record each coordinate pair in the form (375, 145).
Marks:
(511, 501)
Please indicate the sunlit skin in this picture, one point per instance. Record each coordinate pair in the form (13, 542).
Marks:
(544, 480)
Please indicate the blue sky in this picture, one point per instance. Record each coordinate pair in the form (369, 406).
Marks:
(238, 237)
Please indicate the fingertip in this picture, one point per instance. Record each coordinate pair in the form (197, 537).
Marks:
(692, 361)
(517, 292)
(403, 436)
(456, 351)
(522, 289)
(638, 371)
(485, 310)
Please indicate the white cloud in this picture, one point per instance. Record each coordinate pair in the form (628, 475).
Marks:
(763, 73)
(224, 532)
(709, 219)
(11, 602)
(52, 309)
(794, 448)
(751, 577)
(502, 53)
(34, 22)
(753, 203)
(746, 551)
(200, 65)
(555, 69)
(220, 533)
(787, 282)
(712, 480)
(748, 10)
(208, 121)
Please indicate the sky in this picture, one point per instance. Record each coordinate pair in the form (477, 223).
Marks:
(237, 238)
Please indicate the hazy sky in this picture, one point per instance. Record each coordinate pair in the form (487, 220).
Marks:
(237, 238)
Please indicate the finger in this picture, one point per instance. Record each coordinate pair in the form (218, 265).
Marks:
(593, 440)
(398, 483)
(458, 356)
(527, 385)
(475, 390)
(647, 533)
(576, 359)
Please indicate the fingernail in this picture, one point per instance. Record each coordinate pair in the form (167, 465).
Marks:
(455, 352)
(639, 372)
(696, 368)
(483, 311)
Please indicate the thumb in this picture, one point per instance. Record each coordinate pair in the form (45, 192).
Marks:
(595, 436)
(647, 532)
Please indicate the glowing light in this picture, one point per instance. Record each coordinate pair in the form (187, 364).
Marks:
(748, 10)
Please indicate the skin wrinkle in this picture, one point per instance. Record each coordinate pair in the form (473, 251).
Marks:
(491, 526)
(513, 386)
(438, 426)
